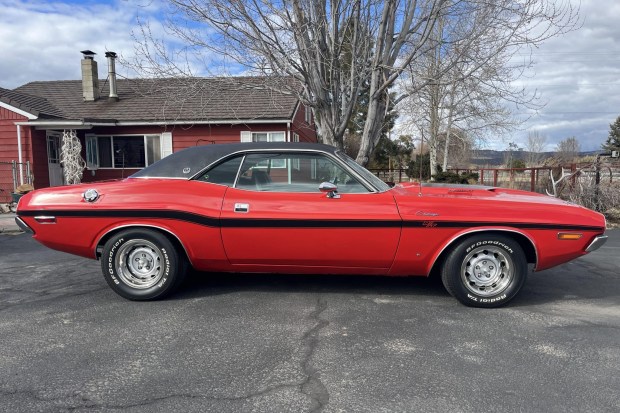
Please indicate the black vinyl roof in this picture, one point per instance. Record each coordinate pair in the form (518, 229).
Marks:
(188, 162)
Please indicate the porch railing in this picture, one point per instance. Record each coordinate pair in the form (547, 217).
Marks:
(10, 178)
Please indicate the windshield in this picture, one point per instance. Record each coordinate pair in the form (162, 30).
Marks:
(363, 172)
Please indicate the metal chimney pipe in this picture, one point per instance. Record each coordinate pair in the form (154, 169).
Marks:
(112, 76)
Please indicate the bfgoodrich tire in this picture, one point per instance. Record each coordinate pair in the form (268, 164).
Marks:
(485, 270)
(142, 264)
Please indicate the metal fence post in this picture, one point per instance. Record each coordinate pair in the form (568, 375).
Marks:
(14, 170)
(29, 174)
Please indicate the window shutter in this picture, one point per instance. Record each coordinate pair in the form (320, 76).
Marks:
(246, 136)
(92, 152)
(166, 144)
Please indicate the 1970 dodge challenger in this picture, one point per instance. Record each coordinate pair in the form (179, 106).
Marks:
(306, 209)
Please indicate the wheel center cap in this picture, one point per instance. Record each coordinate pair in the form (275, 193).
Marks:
(485, 270)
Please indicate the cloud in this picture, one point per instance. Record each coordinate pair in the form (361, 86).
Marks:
(42, 41)
(578, 76)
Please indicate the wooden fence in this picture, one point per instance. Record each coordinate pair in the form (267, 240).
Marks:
(527, 179)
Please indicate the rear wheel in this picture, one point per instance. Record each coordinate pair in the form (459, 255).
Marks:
(485, 270)
(142, 264)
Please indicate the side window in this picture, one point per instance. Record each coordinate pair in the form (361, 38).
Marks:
(294, 172)
(223, 173)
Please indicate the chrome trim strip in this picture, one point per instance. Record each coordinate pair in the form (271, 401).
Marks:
(142, 225)
(23, 226)
(44, 217)
(597, 243)
(486, 230)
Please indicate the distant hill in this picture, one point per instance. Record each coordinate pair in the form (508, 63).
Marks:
(483, 157)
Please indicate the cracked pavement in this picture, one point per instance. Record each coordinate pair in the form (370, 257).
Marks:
(274, 343)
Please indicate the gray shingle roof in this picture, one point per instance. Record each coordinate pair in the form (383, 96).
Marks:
(35, 105)
(164, 100)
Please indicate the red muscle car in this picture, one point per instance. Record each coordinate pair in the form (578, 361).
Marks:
(306, 209)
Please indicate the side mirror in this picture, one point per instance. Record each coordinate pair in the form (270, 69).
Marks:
(330, 189)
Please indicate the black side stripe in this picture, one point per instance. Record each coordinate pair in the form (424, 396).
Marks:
(129, 213)
(296, 223)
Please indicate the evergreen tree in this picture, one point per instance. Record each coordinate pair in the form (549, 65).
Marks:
(613, 140)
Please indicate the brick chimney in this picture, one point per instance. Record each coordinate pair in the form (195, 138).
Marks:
(90, 77)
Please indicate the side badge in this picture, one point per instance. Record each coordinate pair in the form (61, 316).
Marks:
(90, 195)
(186, 170)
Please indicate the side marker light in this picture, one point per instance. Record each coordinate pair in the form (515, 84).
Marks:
(569, 235)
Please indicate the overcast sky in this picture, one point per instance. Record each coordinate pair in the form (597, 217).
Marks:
(577, 75)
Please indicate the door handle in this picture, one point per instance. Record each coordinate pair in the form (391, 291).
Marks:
(243, 208)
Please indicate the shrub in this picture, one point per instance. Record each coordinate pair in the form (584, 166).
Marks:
(454, 178)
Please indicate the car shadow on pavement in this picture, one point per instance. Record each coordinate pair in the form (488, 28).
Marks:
(200, 284)
(573, 281)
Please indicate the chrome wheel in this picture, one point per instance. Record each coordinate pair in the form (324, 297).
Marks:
(487, 270)
(139, 264)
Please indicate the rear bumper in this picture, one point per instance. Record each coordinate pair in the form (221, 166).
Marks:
(597, 243)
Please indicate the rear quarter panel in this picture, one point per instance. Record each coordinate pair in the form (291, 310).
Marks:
(187, 209)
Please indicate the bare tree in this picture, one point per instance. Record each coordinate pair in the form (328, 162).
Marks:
(335, 49)
(472, 74)
(459, 149)
(536, 143)
(568, 149)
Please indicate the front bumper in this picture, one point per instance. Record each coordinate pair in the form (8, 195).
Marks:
(597, 243)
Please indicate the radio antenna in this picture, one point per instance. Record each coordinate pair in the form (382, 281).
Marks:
(421, 165)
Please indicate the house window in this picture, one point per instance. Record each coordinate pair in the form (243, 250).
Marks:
(247, 136)
(268, 137)
(132, 151)
(307, 114)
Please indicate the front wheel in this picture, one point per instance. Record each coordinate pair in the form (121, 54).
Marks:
(485, 270)
(142, 264)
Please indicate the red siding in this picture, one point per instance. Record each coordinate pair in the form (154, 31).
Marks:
(35, 146)
(208, 134)
(8, 134)
(182, 137)
(8, 150)
(306, 131)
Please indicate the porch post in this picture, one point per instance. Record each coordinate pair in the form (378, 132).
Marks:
(19, 154)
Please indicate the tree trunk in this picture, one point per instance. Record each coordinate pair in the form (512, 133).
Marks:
(374, 119)
(446, 148)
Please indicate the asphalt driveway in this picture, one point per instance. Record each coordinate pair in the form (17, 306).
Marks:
(259, 343)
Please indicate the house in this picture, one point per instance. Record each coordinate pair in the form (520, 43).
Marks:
(124, 124)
